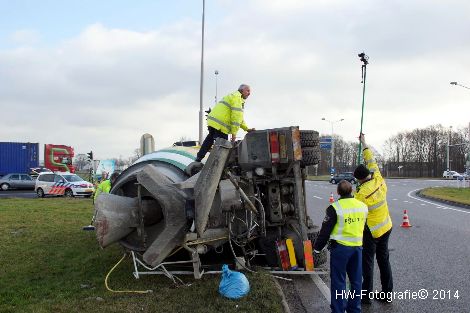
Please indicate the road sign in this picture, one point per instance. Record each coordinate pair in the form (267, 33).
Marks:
(325, 143)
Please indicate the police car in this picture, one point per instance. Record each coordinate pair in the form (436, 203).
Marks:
(62, 184)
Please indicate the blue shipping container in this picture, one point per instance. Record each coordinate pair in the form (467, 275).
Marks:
(18, 157)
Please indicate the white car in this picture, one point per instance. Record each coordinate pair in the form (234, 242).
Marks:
(62, 184)
(451, 174)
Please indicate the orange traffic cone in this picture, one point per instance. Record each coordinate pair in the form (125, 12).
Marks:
(406, 221)
(331, 198)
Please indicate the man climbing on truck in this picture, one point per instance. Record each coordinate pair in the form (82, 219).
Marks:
(226, 118)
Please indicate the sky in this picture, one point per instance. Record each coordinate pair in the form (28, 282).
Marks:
(97, 75)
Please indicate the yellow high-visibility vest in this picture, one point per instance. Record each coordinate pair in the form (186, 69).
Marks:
(351, 218)
(374, 194)
(227, 115)
(103, 187)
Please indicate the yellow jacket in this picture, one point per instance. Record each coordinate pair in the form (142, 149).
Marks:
(103, 187)
(227, 115)
(374, 194)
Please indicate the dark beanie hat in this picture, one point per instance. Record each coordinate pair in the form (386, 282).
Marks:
(361, 172)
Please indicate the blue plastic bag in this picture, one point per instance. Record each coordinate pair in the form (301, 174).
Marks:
(233, 285)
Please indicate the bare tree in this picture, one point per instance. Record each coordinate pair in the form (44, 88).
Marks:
(345, 156)
(135, 157)
(423, 152)
(80, 162)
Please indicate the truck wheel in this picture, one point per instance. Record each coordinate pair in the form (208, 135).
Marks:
(4, 187)
(318, 258)
(310, 156)
(309, 138)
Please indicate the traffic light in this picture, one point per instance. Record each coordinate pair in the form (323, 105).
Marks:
(90, 155)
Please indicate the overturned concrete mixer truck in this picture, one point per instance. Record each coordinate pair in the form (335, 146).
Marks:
(246, 198)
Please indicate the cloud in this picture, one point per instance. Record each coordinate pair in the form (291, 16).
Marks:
(104, 87)
(25, 37)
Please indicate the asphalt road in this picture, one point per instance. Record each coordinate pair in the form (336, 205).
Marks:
(17, 194)
(432, 258)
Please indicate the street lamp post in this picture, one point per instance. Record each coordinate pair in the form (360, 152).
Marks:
(216, 74)
(457, 84)
(332, 140)
(468, 150)
(448, 148)
(201, 89)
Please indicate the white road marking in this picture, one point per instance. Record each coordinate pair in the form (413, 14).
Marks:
(439, 206)
(322, 287)
(394, 199)
(318, 197)
(423, 203)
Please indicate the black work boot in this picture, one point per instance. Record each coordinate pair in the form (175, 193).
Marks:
(193, 168)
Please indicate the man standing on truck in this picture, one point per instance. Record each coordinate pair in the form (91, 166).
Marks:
(372, 190)
(344, 226)
(226, 118)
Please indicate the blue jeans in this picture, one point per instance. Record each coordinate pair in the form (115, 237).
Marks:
(344, 260)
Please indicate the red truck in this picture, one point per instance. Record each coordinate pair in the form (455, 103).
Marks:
(58, 158)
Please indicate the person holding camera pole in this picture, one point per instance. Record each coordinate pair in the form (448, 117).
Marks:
(372, 190)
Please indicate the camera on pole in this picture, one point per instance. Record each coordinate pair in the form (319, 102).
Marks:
(365, 60)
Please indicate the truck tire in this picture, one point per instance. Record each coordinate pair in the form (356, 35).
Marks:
(321, 258)
(310, 156)
(309, 138)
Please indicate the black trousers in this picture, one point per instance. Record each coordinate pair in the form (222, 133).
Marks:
(379, 247)
(209, 141)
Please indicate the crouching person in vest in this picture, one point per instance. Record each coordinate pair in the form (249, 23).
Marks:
(343, 226)
(104, 187)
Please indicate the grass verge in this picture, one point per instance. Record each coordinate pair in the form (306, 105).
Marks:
(460, 195)
(48, 264)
